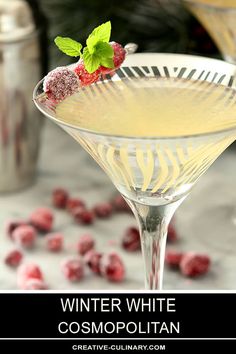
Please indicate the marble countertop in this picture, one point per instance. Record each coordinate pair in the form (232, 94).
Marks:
(206, 221)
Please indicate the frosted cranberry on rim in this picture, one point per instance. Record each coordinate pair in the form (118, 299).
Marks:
(98, 58)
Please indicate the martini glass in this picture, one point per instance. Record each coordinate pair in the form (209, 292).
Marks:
(153, 166)
(219, 19)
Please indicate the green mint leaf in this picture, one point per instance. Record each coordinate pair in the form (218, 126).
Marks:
(102, 32)
(68, 46)
(91, 61)
(104, 50)
(108, 63)
(91, 43)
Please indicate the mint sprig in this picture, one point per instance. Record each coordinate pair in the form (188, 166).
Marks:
(68, 46)
(101, 54)
(91, 61)
(97, 52)
(101, 33)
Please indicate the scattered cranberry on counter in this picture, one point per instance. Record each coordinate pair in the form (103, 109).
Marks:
(93, 258)
(73, 203)
(14, 258)
(103, 210)
(173, 258)
(54, 242)
(193, 264)
(131, 239)
(76, 212)
(24, 235)
(85, 217)
(73, 269)
(112, 267)
(86, 243)
(11, 225)
(59, 198)
(28, 271)
(120, 204)
(171, 234)
(35, 284)
(42, 219)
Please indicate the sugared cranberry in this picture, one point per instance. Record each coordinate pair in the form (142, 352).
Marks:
(84, 216)
(193, 264)
(42, 219)
(60, 83)
(14, 258)
(103, 210)
(54, 242)
(93, 258)
(120, 204)
(28, 271)
(24, 236)
(84, 76)
(11, 225)
(119, 54)
(76, 212)
(73, 269)
(173, 258)
(35, 284)
(112, 267)
(118, 58)
(85, 244)
(59, 198)
(73, 203)
(171, 234)
(131, 240)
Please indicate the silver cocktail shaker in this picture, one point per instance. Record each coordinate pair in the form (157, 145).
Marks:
(20, 69)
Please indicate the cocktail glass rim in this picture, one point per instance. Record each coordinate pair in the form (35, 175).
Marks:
(153, 219)
(212, 6)
(61, 122)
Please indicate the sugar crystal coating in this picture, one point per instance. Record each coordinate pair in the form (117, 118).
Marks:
(171, 234)
(24, 235)
(35, 284)
(59, 198)
(84, 216)
(73, 203)
(73, 269)
(85, 244)
(103, 210)
(131, 239)
(193, 264)
(92, 258)
(42, 219)
(28, 271)
(60, 83)
(11, 225)
(173, 258)
(13, 258)
(112, 267)
(54, 242)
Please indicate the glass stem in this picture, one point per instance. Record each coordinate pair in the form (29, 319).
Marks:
(153, 224)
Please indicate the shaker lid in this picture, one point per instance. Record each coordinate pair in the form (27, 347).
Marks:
(16, 20)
